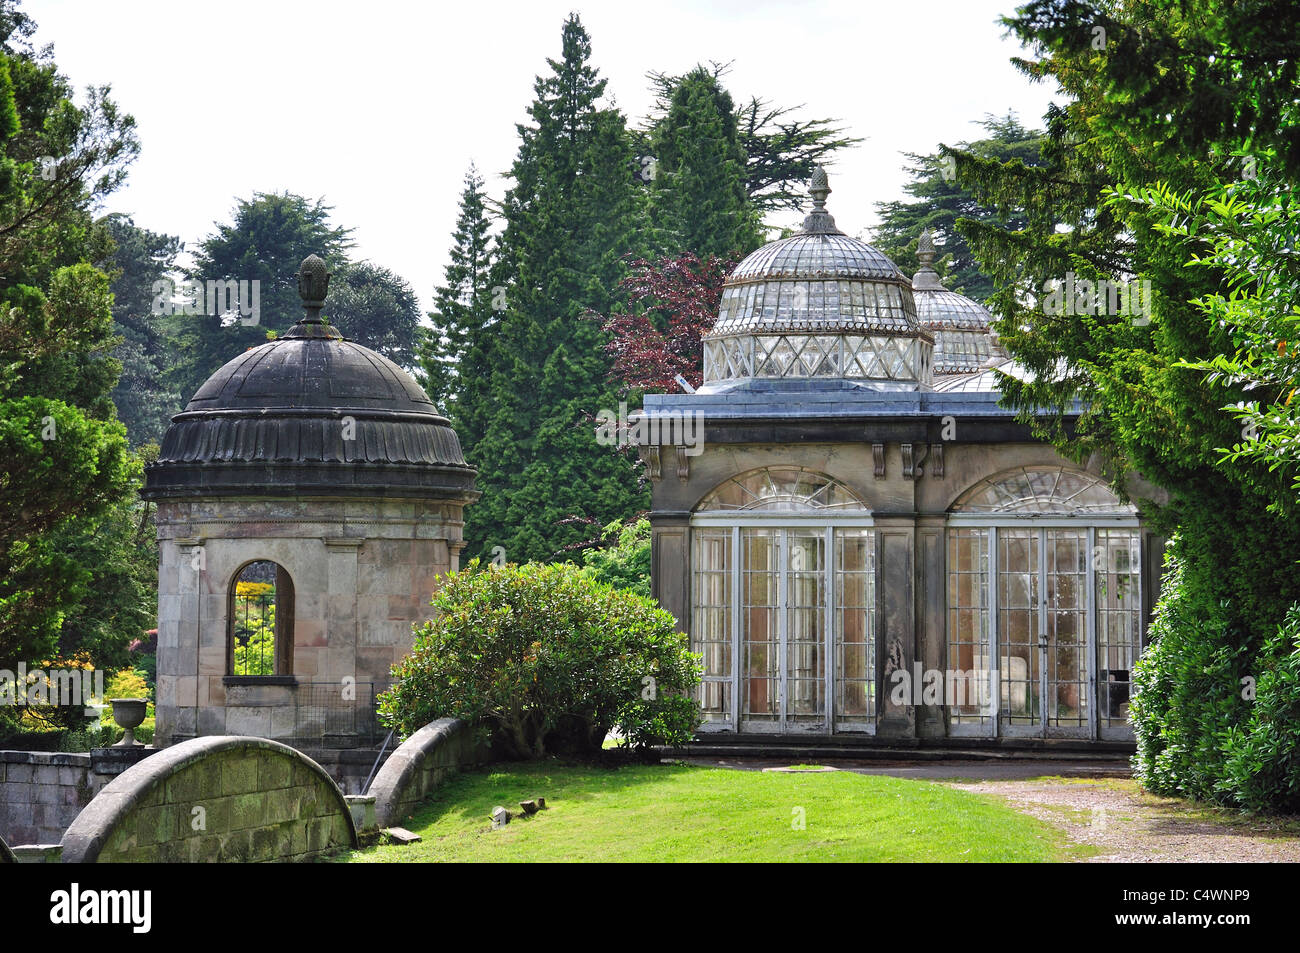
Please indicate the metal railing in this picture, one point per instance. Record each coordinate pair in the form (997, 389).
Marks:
(337, 715)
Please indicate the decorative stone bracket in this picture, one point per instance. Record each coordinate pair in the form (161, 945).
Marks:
(653, 457)
(914, 467)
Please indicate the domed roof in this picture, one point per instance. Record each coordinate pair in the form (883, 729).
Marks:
(960, 325)
(818, 304)
(310, 413)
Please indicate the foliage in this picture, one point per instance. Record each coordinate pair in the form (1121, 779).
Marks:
(1248, 232)
(698, 200)
(65, 459)
(455, 353)
(266, 240)
(780, 150)
(674, 303)
(624, 561)
(144, 400)
(1262, 769)
(939, 200)
(546, 661)
(376, 308)
(1137, 380)
(571, 217)
(255, 633)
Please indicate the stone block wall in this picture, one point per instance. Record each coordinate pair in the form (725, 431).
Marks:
(212, 800)
(362, 570)
(41, 794)
(434, 753)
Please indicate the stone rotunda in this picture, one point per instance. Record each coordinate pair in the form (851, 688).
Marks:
(309, 498)
(868, 548)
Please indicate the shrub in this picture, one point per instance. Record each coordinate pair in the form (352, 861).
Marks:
(546, 660)
(1263, 763)
(1187, 691)
(626, 564)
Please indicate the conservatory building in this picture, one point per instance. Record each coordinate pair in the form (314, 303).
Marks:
(865, 546)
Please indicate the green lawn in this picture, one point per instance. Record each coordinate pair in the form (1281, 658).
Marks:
(675, 812)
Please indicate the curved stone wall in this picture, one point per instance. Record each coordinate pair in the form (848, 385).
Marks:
(422, 762)
(226, 798)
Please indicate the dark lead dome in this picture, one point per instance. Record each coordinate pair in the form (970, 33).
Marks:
(310, 413)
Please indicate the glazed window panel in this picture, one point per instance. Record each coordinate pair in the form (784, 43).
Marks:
(968, 623)
(711, 621)
(1117, 580)
(759, 624)
(855, 644)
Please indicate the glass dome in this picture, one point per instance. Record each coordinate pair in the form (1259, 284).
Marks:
(818, 305)
(960, 325)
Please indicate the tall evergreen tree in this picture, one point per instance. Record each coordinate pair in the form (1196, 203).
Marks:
(455, 353)
(939, 200)
(145, 401)
(699, 203)
(570, 218)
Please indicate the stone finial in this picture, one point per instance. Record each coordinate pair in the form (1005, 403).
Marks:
(313, 285)
(819, 221)
(819, 188)
(926, 278)
(925, 249)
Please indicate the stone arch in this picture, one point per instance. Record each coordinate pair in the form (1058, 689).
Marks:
(259, 800)
(284, 617)
(779, 487)
(1041, 489)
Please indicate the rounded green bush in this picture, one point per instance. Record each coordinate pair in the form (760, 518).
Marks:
(546, 660)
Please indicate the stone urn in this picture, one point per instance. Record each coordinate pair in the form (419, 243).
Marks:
(129, 713)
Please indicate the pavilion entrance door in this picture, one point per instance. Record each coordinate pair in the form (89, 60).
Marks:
(784, 626)
(1043, 635)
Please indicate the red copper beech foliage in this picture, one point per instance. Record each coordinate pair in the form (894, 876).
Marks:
(674, 303)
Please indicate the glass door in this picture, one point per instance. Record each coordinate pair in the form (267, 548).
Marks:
(1043, 632)
(783, 630)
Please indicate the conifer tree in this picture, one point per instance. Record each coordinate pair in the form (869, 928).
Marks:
(453, 353)
(698, 199)
(571, 217)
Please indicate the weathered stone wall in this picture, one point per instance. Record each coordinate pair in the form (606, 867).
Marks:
(41, 793)
(363, 571)
(214, 800)
(434, 753)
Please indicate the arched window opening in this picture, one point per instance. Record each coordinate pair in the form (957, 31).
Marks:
(781, 489)
(261, 621)
(1035, 491)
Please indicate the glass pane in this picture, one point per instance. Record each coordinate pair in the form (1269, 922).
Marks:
(1018, 624)
(968, 625)
(1117, 577)
(1067, 670)
(855, 650)
(711, 621)
(760, 554)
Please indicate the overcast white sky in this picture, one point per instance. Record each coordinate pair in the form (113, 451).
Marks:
(379, 107)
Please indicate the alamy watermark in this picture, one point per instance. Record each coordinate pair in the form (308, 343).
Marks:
(57, 687)
(951, 687)
(666, 428)
(1075, 295)
(233, 300)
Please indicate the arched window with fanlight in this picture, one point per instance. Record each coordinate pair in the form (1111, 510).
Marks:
(1044, 605)
(783, 601)
(260, 642)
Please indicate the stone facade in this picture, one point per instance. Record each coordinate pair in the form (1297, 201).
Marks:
(363, 571)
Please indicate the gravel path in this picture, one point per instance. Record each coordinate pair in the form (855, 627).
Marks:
(1129, 826)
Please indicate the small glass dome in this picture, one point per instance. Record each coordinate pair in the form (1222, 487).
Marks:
(960, 325)
(818, 305)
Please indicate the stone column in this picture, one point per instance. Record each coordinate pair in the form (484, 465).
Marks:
(896, 619)
(931, 589)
